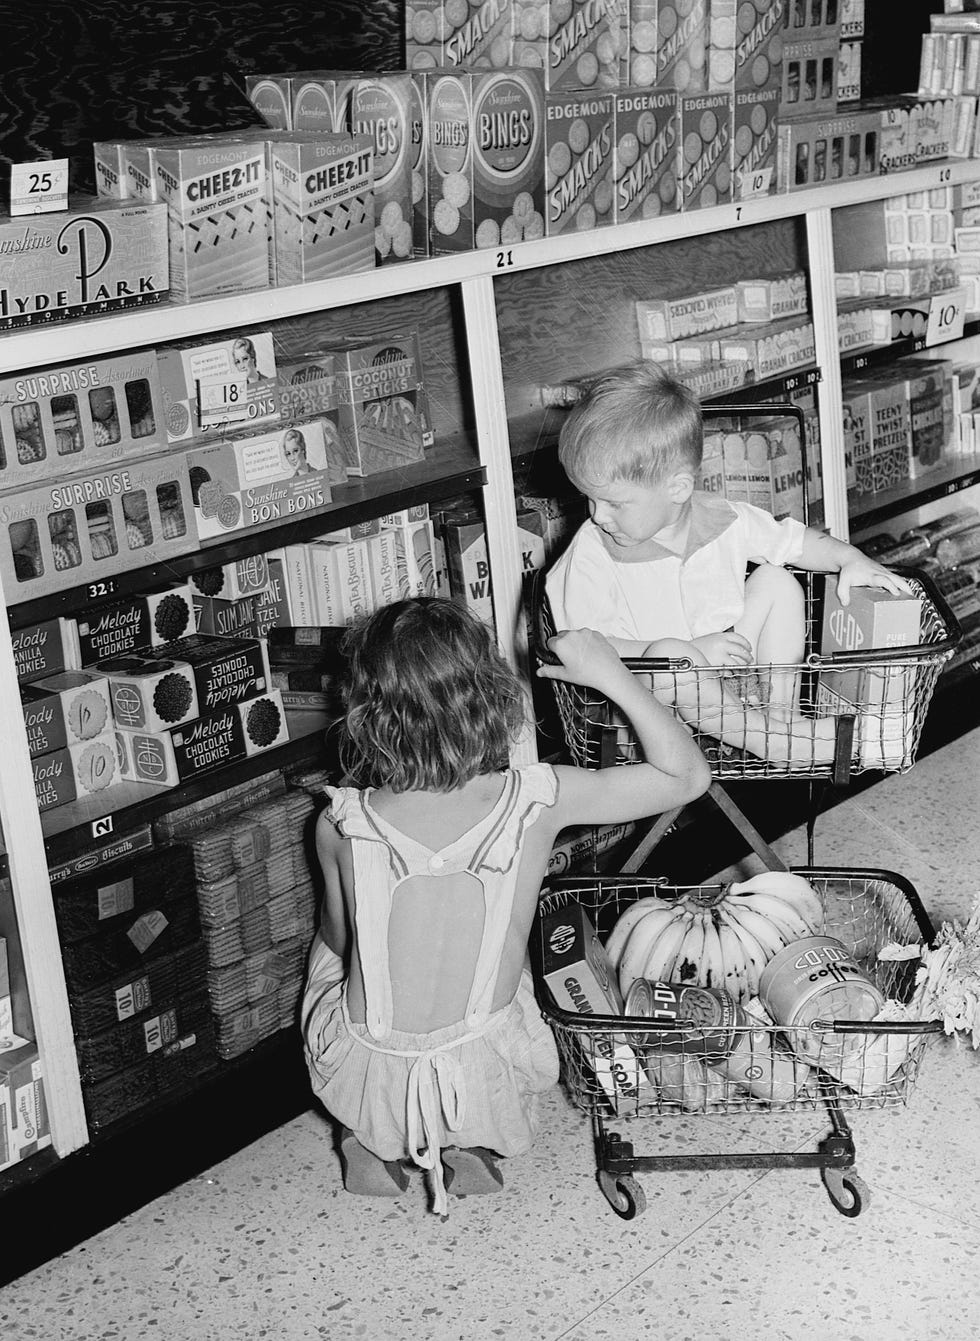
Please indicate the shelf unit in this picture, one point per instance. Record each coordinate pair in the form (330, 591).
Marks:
(484, 463)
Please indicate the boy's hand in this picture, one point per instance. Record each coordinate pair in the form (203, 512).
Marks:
(725, 649)
(864, 572)
(586, 658)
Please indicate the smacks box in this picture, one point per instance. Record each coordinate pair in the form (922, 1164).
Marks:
(704, 149)
(507, 124)
(645, 156)
(70, 417)
(222, 736)
(187, 370)
(64, 709)
(45, 649)
(83, 769)
(381, 110)
(96, 256)
(244, 482)
(136, 624)
(579, 143)
(323, 207)
(755, 117)
(425, 24)
(682, 41)
(677, 318)
(217, 196)
(760, 29)
(384, 420)
(480, 36)
(86, 527)
(449, 162)
(578, 44)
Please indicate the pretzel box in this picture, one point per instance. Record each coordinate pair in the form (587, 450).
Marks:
(75, 415)
(704, 150)
(507, 109)
(188, 369)
(381, 109)
(449, 162)
(84, 528)
(323, 207)
(217, 196)
(645, 157)
(136, 624)
(579, 143)
(215, 739)
(245, 482)
(385, 416)
(96, 256)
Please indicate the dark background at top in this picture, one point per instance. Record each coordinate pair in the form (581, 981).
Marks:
(74, 71)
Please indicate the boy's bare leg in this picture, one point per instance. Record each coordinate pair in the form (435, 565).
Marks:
(774, 622)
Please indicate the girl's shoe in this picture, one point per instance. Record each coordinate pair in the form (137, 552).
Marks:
(365, 1175)
(472, 1172)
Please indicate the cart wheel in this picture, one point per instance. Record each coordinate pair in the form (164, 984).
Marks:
(624, 1194)
(847, 1190)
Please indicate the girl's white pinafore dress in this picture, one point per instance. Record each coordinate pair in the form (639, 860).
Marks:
(474, 1083)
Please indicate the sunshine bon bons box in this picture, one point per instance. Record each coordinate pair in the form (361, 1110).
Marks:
(186, 371)
(323, 206)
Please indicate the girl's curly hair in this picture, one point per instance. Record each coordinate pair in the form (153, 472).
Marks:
(430, 702)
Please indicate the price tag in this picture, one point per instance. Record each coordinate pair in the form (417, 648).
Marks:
(947, 312)
(753, 184)
(39, 188)
(222, 400)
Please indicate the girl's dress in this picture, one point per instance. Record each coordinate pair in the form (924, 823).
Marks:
(473, 1083)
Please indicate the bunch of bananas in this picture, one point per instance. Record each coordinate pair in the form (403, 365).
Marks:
(722, 942)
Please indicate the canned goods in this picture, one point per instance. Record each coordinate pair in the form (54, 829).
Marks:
(709, 1017)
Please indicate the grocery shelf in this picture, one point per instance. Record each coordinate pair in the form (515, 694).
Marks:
(875, 356)
(951, 478)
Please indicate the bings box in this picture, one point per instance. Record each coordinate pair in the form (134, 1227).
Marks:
(579, 143)
(418, 156)
(189, 369)
(269, 95)
(384, 420)
(645, 157)
(448, 162)
(381, 110)
(77, 414)
(507, 125)
(323, 207)
(704, 157)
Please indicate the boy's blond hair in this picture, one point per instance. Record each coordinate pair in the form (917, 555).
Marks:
(634, 423)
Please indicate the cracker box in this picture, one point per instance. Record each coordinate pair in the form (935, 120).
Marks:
(704, 157)
(645, 156)
(85, 528)
(217, 196)
(187, 370)
(449, 163)
(418, 157)
(45, 649)
(424, 26)
(268, 477)
(86, 768)
(682, 41)
(341, 581)
(384, 418)
(772, 349)
(149, 694)
(136, 171)
(217, 738)
(311, 387)
(96, 256)
(579, 143)
(75, 415)
(760, 29)
(234, 580)
(323, 207)
(678, 318)
(269, 94)
(507, 111)
(771, 297)
(641, 60)
(22, 1095)
(313, 104)
(482, 35)
(384, 570)
(578, 44)
(296, 584)
(135, 624)
(809, 77)
(415, 543)
(381, 110)
(755, 118)
(872, 619)
(65, 709)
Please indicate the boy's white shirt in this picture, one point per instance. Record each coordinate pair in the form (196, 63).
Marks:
(670, 596)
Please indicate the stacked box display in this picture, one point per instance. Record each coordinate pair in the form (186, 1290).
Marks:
(323, 207)
(579, 143)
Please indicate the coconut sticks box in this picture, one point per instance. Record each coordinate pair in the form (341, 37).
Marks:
(323, 206)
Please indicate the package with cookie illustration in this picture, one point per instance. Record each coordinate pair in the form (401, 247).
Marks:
(45, 649)
(215, 739)
(149, 694)
(235, 580)
(311, 387)
(507, 112)
(271, 477)
(136, 624)
(579, 144)
(200, 381)
(381, 111)
(448, 194)
(224, 670)
(65, 709)
(86, 768)
(385, 415)
(83, 528)
(323, 206)
(76, 415)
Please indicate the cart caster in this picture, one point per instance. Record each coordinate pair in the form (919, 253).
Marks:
(847, 1190)
(624, 1194)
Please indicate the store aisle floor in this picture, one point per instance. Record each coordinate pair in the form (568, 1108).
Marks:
(267, 1244)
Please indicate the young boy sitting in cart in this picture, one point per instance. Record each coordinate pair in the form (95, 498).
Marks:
(661, 568)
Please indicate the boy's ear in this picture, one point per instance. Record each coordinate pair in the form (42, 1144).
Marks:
(681, 486)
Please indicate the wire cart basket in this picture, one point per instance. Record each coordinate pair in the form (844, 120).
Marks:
(877, 699)
(621, 1069)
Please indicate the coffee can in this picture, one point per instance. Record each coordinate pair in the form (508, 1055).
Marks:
(709, 1018)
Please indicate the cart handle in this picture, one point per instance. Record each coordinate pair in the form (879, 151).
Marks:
(912, 650)
(882, 1027)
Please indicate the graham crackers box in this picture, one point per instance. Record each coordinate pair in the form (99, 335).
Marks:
(385, 418)
(188, 371)
(323, 207)
(507, 123)
(68, 417)
(645, 158)
(96, 256)
(579, 143)
(704, 158)
(381, 110)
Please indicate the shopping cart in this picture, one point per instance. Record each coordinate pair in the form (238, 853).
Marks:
(865, 910)
(878, 700)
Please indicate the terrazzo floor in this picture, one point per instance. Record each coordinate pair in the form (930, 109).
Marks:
(267, 1244)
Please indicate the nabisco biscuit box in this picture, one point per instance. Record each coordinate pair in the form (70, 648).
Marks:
(478, 35)
(754, 141)
(69, 417)
(270, 96)
(323, 207)
(217, 197)
(245, 482)
(704, 159)
(645, 157)
(682, 42)
(381, 110)
(579, 141)
(449, 163)
(507, 119)
(96, 256)
(65, 709)
(579, 44)
(384, 418)
(341, 581)
(581, 979)
(201, 381)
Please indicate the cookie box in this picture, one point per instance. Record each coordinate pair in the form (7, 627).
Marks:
(85, 528)
(224, 670)
(136, 624)
(323, 206)
(162, 926)
(83, 769)
(232, 581)
(311, 387)
(45, 649)
(132, 993)
(228, 619)
(507, 111)
(579, 144)
(97, 901)
(96, 256)
(160, 690)
(270, 477)
(385, 415)
(219, 737)
(65, 709)
(187, 371)
(132, 1041)
(73, 416)
(26, 1128)
(380, 114)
